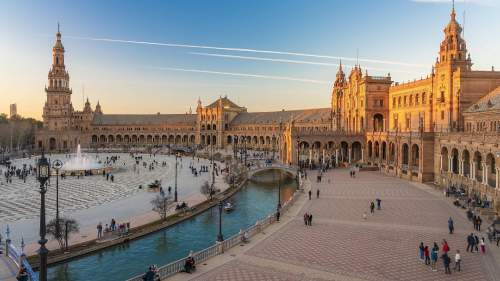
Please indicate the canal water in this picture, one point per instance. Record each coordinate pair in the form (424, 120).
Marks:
(255, 201)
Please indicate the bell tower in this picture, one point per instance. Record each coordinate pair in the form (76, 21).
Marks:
(58, 108)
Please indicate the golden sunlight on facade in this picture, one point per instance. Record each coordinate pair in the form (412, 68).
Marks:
(442, 128)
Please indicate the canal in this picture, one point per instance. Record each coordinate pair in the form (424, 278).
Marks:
(255, 201)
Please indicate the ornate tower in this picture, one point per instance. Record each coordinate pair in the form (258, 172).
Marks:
(453, 49)
(58, 109)
(337, 98)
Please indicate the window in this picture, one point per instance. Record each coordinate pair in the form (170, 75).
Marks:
(381, 103)
(424, 101)
(442, 97)
(393, 102)
(404, 101)
(411, 100)
(399, 102)
(442, 114)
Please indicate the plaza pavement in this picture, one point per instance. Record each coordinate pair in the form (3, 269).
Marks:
(91, 200)
(340, 245)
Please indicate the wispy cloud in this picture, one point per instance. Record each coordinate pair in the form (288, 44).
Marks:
(479, 2)
(295, 62)
(274, 52)
(237, 74)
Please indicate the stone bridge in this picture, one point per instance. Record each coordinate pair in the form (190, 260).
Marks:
(290, 171)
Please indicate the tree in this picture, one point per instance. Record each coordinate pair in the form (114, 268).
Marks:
(207, 190)
(161, 204)
(67, 226)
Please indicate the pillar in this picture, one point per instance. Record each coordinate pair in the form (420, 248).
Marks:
(485, 174)
(461, 167)
(472, 170)
(349, 152)
(497, 178)
(362, 155)
(337, 156)
(450, 164)
(441, 163)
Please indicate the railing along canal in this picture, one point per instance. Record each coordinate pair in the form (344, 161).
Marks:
(20, 259)
(219, 247)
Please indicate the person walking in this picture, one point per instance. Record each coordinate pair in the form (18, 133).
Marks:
(482, 245)
(421, 250)
(450, 225)
(427, 255)
(474, 222)
(379, 201)
(434, 257)
(306, 218)
(317, 193)
(372, 207)
(310, 193)
(478, 223)
(470, 242)
(446, 263)
(99, 230)
(446, 247)
(458, 260)
(310, 219)
(476, 243)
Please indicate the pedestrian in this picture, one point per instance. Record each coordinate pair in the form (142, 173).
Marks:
(306, 218)
(479, 222)
(450, 225)
(317, 193)
(446, 263)
(458, 259)
(310, 193)
(372, 207)
(476, 243)
(434, 257)
(470, 242)
(99, 230)
(421, 250)
(427, 255)
(310, 219)
(446, 247)
(474, 221)
(483, 245)
(379, 201)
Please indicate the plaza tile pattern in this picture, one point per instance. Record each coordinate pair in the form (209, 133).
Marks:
(341, 243)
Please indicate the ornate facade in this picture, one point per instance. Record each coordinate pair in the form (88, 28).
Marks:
(442, 128)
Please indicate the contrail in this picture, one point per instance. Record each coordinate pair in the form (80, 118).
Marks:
(246, 50)
(294, 61)
(242, 75)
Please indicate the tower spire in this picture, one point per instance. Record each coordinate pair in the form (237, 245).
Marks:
(453, 14)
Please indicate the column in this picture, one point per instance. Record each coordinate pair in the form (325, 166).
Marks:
(450, 164)
(349, 152)
(497, 178)
(472, 170)
(485, 174)
(383, 124)
(461, 167)
(441, 163)
(362, 155)
(337, 156)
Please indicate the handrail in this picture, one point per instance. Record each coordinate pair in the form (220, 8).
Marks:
(219, 247)
(21, 258)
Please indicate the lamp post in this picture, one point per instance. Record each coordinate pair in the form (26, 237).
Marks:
(43, 176)
(57, 165)
(278, 207)
(175, 184)
(220, 238)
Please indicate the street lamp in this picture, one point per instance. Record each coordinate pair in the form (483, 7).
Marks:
(57, 165)
(278, 207)
(43, 176)
(220, 238)
(175, 186)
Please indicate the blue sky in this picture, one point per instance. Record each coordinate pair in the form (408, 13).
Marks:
(397, 36)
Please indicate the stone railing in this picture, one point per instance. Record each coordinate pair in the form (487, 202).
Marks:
(219, 247)
(19, 258)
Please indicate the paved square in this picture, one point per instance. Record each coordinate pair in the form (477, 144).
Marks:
(343, 246)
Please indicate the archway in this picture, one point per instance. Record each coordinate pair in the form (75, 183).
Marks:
(378, 122)
(356, 151)
(478, 166)
(466, 161)
(384, 150)
(377, 150)
(392, 152)
(491, 170)
(444, 159)
(415, 157)
(344, 151)
(454, 161)
(405, 152)
(370, 153)
(53, 143)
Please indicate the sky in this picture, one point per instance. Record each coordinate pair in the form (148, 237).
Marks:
(161, 56)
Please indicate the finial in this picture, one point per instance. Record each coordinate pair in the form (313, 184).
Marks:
(453, 10)
(58, 29)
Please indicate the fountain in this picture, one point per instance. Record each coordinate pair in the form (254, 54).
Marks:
(81, 163)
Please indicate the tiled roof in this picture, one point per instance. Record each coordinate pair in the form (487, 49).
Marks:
(489, 102)
(144, 119)
(225, 103)
(306, 115)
